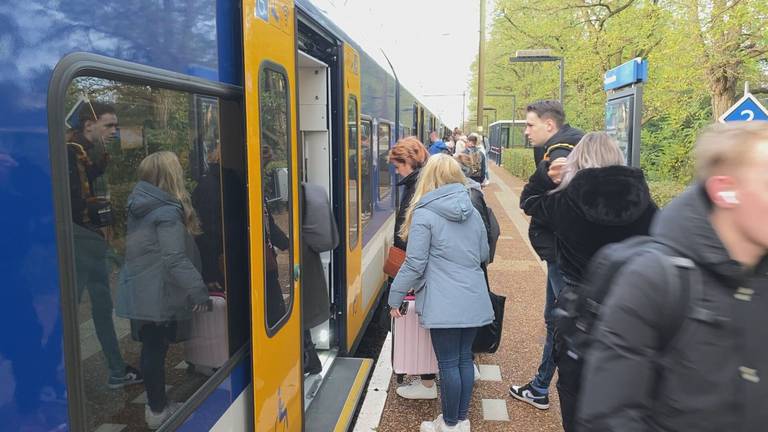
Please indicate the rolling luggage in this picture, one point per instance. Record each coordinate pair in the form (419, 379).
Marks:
(208, 346)
(412, 352)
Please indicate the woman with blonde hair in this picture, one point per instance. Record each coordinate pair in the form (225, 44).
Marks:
(160, 283)
(589, 200)
(447, 244)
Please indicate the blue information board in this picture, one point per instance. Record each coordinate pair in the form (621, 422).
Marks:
(747, 108)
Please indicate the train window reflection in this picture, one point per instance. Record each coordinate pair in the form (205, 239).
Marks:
(139, 159)
(276, 189)
(385, 180)
(366, 149)
(352, 186)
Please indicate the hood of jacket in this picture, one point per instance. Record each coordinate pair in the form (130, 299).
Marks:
(614, 195)
(684, 225)
(450, 201)
(471, 184)
(566, 135)
(146, 197)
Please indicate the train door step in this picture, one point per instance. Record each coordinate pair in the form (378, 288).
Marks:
(334, 405)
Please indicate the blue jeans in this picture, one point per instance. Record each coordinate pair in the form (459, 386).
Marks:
(546, 370)
(93, 275)
(453, 348)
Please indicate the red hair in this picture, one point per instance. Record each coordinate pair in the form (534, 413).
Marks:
(409, 150)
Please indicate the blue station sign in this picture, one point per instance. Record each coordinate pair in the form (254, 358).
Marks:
(631, 72)
(748, 108)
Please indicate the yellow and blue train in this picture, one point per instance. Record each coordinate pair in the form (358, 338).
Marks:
(254, 97)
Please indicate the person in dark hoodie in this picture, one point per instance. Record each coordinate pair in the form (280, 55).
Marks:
(590, 200)
(552, 139)
(160, 283)
(711, 375)
(408, 156)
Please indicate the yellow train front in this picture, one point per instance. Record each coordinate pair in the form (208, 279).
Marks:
(253, 98)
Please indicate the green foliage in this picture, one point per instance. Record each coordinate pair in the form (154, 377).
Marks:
(519, 162)
(662, 192)
(698, 51)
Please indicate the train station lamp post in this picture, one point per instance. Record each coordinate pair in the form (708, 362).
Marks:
(542, 55)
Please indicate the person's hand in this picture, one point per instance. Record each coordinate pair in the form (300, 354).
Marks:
(202, 307)
(395, 313)
(214, 286)
(555, 172)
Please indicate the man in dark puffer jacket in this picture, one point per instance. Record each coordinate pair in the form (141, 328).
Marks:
(552, 139)
(712, 375)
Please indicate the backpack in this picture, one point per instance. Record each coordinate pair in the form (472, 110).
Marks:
(475, 164)
(578, 308)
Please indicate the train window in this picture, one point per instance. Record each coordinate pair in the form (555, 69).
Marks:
(276, 188)
(366, 148)
(385, 180)
(145, 174)
(352, 186)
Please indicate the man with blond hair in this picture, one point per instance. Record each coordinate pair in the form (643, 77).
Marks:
(711, 372)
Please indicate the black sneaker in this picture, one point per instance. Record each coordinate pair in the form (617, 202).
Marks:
(132, 376)
(527, 394)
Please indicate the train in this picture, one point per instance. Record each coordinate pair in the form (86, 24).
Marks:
(254, 98)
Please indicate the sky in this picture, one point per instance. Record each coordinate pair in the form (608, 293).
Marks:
(431, 44)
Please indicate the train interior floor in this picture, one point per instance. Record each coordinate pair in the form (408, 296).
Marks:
(518, 274)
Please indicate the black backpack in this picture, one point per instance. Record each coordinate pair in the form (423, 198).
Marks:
(578, 307)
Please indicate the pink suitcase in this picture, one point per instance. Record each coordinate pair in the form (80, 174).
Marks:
(208, 346)
(412, 352)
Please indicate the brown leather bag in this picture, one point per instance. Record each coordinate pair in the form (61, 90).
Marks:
(395, 259)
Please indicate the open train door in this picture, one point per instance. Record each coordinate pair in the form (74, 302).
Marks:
(269, 57)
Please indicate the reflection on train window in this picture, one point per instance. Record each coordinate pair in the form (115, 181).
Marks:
(276, 189)
(146, 243)
(366, 149)
(352, 186)
(385, 181)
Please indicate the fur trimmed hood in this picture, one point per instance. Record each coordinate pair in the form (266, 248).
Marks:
(614, 195)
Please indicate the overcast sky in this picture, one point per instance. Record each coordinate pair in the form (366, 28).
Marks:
(431, 43)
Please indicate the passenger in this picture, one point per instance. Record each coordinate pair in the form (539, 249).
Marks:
(590, 200)
(449, 143)
(206, 199)
(160, 283)
(478, 166)
(461, 144)
(92, 216)
(546, 128)
(408, 157)
(712, 376)
(447, 245)
(476, 196)
(274, 238)
(437, 146)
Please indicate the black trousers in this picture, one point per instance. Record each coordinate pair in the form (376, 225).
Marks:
(155, 338)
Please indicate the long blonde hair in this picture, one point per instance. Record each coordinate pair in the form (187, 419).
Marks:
(595, 150)
(440, 170)
(162, 169)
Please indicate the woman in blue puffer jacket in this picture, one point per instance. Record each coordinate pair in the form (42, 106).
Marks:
(447, 243)
(160, 284)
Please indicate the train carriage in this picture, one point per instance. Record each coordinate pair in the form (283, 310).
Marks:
(254, 98)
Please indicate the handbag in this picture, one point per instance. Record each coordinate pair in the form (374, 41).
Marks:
(488, 337)
(395, 259)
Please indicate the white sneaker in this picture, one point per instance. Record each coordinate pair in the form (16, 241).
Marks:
(464, 426)
(417, 390)
(438, 425)
(477, 372)
(155, 420)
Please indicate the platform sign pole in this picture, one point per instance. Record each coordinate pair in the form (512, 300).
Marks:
(748, 108)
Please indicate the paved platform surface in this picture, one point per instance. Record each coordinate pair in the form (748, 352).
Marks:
(518, 274)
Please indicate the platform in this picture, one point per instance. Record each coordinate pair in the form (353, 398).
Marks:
(518, 274)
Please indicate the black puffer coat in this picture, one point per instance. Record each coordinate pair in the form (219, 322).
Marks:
(409, 186)
(599, 206)
(714, 375)
(542, 238)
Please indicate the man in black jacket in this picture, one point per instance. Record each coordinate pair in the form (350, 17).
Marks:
(711, 374)
(552, 139)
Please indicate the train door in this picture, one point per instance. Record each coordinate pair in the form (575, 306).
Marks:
(269, 49)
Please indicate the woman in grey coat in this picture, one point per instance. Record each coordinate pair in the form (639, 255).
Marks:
(160, 286)
(447, 243)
